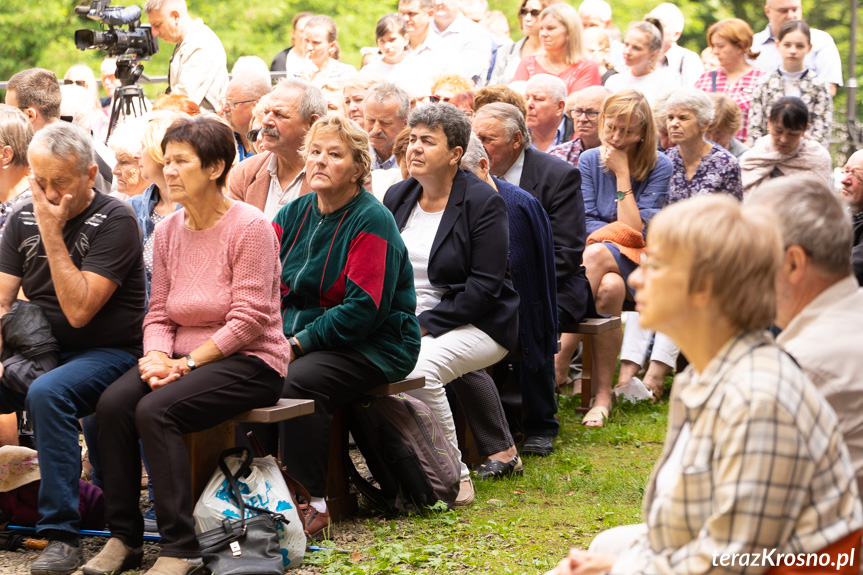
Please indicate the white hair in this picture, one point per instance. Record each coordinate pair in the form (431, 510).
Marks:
(598, 8)
(251, 65)
(670, 16)
(78, 103)
(554, 86)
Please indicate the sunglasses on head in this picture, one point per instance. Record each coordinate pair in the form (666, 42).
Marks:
(524, 12)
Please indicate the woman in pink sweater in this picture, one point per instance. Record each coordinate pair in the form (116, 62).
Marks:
(213, 347)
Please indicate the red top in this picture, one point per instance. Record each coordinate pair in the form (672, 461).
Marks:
(578, 76)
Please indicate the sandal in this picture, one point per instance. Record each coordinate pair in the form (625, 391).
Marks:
(597, 414)
(495, 469)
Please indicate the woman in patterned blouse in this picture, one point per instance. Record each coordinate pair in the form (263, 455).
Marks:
(793, 79)
(731, 42)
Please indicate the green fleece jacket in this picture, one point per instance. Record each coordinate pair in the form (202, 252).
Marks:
(347, 281)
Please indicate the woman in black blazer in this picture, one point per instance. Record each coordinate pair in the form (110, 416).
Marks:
(455, 228)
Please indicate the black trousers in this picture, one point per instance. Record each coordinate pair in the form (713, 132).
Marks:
(480, 402)
(333, 379)
(129, 409)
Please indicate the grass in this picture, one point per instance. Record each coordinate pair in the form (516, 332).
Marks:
(594, 481)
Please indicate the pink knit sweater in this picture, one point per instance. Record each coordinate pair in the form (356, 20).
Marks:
(221, 284)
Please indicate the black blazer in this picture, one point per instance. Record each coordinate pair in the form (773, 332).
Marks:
(557, 186)
(468, 258)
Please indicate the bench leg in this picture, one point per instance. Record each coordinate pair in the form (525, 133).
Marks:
(341, 503)
(586, 368)
(204, 448)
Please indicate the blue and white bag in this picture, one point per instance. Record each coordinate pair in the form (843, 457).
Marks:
(263, 487)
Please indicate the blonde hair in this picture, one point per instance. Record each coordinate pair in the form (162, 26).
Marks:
(712, 231)
(568, 16)
(157, 124)
(453, 82)
(632, 105)
(348, 132)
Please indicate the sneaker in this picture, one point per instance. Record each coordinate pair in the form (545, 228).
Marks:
(318, 525)
(115, 557)
(150, 525)
(58, 558)
(177, 566)
(465, 494)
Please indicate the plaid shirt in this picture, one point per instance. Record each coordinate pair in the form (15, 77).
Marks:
(741, 92)
(569, 151)
(765, 467)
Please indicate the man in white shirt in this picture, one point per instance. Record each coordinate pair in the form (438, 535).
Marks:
(198, 67)
(273, 178)
(819, 305)
(683, 65)
(823, 59)
(470, 41)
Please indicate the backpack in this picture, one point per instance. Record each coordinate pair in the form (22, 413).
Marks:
(406, 452)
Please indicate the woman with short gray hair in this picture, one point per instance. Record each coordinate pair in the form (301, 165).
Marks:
(457, 236)
(700, 166)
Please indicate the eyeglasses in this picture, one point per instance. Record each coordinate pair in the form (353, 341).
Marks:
(231, 104)
(524, 12)
(252, 135)
(82, 83)
(436, 99)
(591, 115)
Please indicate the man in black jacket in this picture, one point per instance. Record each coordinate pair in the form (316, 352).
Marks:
(557, 185)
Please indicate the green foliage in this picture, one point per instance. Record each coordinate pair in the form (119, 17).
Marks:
(41, 33)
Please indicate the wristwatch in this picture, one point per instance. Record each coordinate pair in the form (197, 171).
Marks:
(191, 363)
(295, 347)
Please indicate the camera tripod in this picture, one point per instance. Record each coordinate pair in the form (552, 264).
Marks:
(128, 97)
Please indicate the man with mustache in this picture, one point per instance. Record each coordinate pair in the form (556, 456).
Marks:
(273, 178)
(385, 113)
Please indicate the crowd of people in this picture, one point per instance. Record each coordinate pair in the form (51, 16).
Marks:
(461, 202)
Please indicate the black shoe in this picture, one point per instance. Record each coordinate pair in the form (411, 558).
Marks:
(539, 445)
(58, 558)
(495, 469)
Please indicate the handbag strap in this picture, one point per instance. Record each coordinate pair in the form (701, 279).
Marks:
(295, 488)
(234, 489)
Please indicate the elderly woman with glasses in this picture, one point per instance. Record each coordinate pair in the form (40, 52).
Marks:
(754, 462)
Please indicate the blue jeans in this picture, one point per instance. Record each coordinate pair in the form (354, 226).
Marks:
(54, 403)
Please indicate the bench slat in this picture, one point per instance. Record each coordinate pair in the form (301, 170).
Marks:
(283, 410)
(398, 386)
(593, 325)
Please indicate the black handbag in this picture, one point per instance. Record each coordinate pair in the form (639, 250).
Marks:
(245, 546)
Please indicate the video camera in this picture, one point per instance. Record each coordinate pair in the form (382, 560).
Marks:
(137, 41)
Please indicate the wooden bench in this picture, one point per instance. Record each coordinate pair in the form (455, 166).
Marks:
(205, 446)
(340, 501)
(589, 327)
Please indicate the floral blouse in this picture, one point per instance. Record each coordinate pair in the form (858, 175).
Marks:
(813, 92)
(717, 173)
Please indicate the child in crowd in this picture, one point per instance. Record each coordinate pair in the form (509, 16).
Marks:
(793, 78)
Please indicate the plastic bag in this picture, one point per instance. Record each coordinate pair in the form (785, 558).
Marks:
(263, 487)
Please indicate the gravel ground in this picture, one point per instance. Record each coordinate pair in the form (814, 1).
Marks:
(351, 534)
